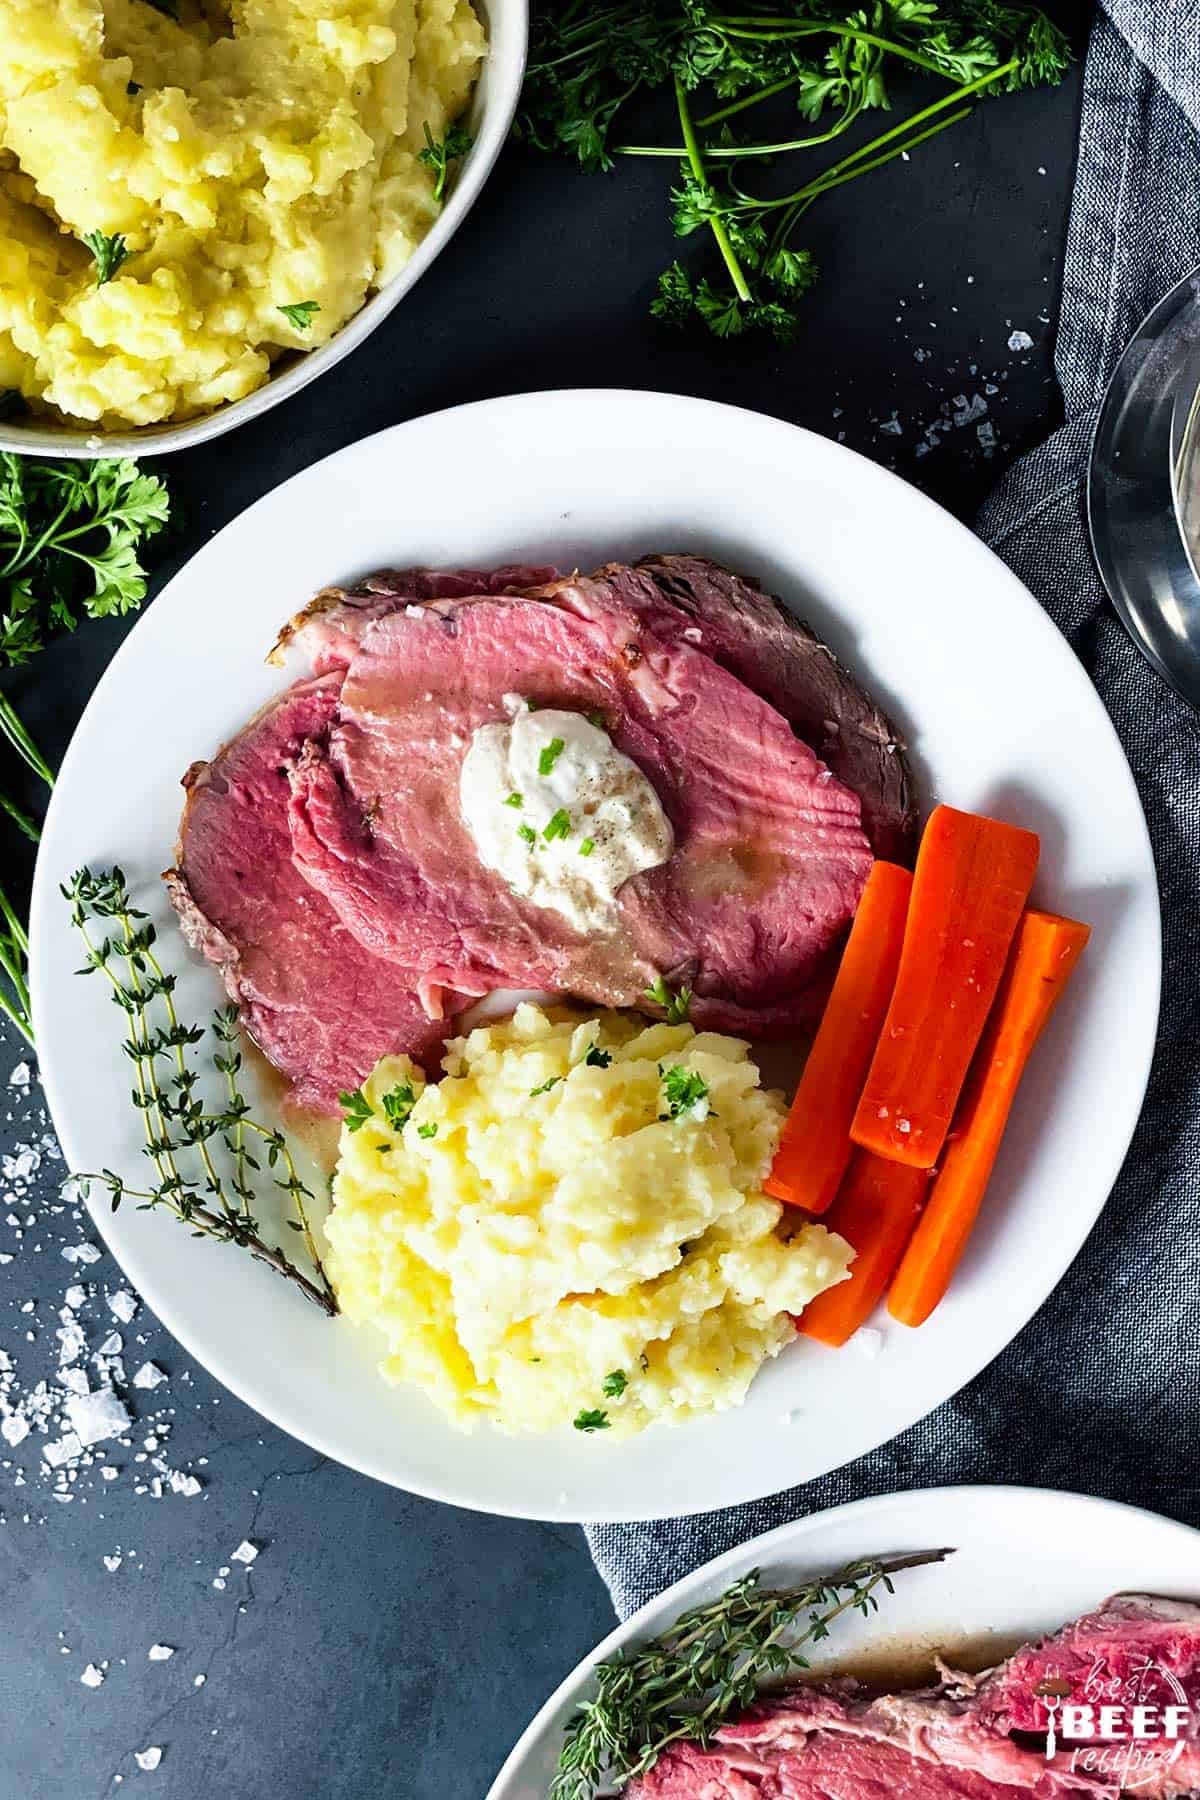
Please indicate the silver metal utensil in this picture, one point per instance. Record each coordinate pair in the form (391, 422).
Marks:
(1144, 488)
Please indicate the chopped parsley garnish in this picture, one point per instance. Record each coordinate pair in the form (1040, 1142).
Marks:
(517, 800)
(426, 1131)
(439, 153)
(591, 1419)
(587, 846)
(676, 1006)
(527, 833)
(597, 1058)
(356, 1109)
(109, 252)
(300, 313)
(557, 826)
(550, 755)
(545, 1087)
(598, 720)
(685, 1092)
(615, 1384)
(398, 1104)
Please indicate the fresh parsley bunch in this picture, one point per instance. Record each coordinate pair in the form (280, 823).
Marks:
(70, 538)
(71, 535)
(589, 64)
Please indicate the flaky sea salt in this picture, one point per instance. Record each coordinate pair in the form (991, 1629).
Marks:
(159, 1653)
(81, 1253)
(186, 1485)
(112, 1563)
(122, 1305)
(149, 1758)
(246, 1552)
(1020, 340)
(63, 1450)
(149, 1376)
(97, 1415)
(92, 1676)
(20, 1078)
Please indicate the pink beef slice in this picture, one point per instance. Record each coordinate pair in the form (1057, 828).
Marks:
(770, 855)
(329, 630)
(320, 1006)
(755, 637)
(965, 1737)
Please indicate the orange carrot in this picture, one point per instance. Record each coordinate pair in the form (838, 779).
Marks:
(1045, 950)
(815, 1147)
(972, 880)
(877, 1206)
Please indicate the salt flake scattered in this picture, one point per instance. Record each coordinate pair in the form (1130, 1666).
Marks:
(149, 1758)
(159, 1653)
(92, 1676)
(246, 1552)
(97, 1415)
(149, 1376)
(122, 1305)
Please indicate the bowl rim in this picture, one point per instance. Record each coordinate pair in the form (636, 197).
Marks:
(494, 106)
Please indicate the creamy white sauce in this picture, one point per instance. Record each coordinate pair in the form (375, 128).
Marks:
(558, 770)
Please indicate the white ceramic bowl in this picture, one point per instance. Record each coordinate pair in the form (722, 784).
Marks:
(491, 114)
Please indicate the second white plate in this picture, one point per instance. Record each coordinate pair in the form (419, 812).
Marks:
(1002, 719)
(1025, 1562)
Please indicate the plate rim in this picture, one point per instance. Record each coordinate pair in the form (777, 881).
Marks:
(759, 1549)
(45, 897)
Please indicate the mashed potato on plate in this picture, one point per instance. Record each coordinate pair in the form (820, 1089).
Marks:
(569, 1228)
(246, 155)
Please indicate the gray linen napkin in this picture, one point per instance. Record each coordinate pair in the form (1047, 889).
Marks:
(1098, 1392)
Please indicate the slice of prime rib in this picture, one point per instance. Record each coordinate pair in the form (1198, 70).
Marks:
(750, 910)
(756, 637)
(729, 617)
(321, 1007)
(979, 1738)
(329, 630)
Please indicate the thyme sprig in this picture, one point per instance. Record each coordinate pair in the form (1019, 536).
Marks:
(707, 1668)
(184, 1141)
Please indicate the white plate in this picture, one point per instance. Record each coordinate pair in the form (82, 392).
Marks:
(1002, 718)
(1026, 1561)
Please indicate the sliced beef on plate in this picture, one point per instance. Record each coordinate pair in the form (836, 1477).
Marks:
(1135, 1645)
(321, 1008)
(832, 1767)
(770, 856)
(328, 631)
(968, 1737)
(759, 640)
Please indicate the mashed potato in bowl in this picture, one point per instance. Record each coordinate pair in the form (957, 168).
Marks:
(569, 1228)
(246, 156)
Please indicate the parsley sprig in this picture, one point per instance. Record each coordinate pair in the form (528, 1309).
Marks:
(707, 1668)
(70, 538)
(831, 62)
(676, 1003)
(439, 153)
(108, 253)
(199, 1153)
(70, 541)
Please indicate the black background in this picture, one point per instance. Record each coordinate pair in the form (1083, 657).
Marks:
(391, 1646)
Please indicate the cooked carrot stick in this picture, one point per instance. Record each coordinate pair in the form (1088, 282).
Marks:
(972, 880)
(877, 1206)
(815, 1147)
(1045, 950)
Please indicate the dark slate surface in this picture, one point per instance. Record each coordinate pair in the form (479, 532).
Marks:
(381, 1645)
